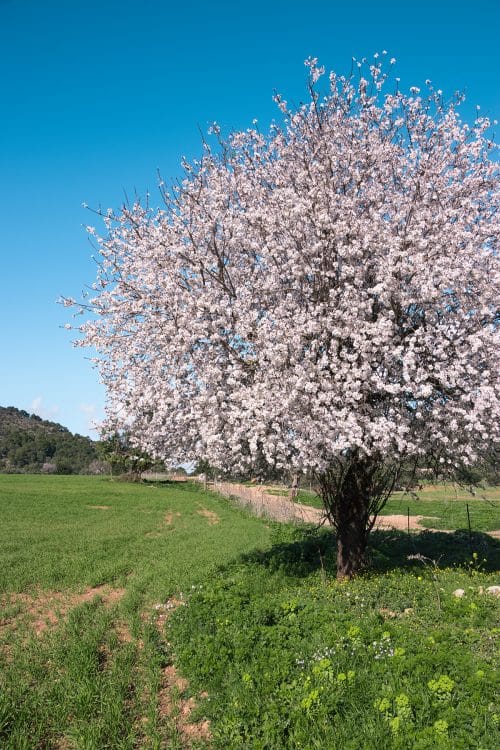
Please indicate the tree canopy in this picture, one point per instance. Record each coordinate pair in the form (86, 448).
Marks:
(321, 297)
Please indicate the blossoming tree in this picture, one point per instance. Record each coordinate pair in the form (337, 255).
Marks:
(321, 297)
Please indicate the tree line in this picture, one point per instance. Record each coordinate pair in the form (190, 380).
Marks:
(29, 444)
(32, 445)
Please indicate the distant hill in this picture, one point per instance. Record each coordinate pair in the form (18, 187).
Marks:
(31, 444)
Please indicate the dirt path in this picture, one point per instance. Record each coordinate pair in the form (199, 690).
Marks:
(314, 515)
(399, 522)
(281, 508)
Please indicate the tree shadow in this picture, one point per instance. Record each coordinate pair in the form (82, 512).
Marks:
(313, 550)
(162, 483)
(390, 549)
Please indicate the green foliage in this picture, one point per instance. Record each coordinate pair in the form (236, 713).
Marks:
(486, 470)
(30, 444)
(290, 659)
(124, 459)
(203, 467)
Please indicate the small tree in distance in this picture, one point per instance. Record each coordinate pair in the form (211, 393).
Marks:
(124, 459)
(321, 297)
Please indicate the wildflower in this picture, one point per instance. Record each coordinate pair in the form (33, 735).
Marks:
(395, 724)
(440, 727)
(384, 647)
(310, 700)
(322, 668)
(403, 706)
(382, 704)
(442, 688)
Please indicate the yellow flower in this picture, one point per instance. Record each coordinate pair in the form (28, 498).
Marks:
(395, 724)
(440, 726)
(382, 704)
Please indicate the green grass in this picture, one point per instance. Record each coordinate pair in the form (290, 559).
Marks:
(446, 507)
(285, 652)
(52, 537)
(78, 681)
(291, 658)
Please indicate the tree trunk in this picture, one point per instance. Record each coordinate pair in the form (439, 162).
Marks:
(347, 504)
(351, 544)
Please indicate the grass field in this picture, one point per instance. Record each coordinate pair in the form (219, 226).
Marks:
(83, 681)
(131, 614)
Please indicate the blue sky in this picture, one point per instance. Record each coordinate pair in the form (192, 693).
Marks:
(97, 96)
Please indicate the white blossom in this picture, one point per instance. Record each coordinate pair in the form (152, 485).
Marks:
(328, 287)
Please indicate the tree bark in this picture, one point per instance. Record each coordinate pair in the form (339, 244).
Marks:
(352, 537)
(347, 500)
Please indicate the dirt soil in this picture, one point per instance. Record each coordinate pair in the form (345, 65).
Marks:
(212, 518)
(45, 609)
(401, 522)
(172, 702)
